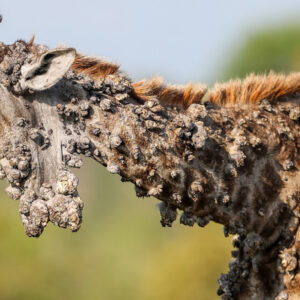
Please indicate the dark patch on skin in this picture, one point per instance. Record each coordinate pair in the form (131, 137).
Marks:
(230, 185)
(266, 189)
(285, 213)
(209, 122)
(264, 274)
(250, 126)
(260, 149)
(211, 154)
(271, 181)
(269, 228)
(241, 199)
(229, 180)
(257, 223)
(262, 201)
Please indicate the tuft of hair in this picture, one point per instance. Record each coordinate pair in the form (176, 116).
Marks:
(254, 88)
(173, 95)
(93, 67)
(31, 41)
(5, 49)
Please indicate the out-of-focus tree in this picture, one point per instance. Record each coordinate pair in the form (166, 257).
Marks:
(186, 266)
(275, 48)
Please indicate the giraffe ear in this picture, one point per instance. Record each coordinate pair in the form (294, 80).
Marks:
(50, 68)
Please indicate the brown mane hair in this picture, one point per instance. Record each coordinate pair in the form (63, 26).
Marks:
(251, 90)
(174, 95)
(254, 88)
(93, 67)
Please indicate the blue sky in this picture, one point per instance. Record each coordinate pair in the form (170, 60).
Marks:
(181, 40)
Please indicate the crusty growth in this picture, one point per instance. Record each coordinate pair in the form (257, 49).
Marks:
(175, 95)
(254, 88)
(5, 49)
(93, 67)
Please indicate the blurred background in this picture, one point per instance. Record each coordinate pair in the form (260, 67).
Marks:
(121, 251)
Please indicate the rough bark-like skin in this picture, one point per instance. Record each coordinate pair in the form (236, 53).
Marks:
(237, 166)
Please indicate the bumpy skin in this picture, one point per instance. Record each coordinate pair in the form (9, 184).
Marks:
(238, 166)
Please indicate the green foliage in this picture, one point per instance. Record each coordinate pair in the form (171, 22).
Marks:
(121, 251)
(276, 48)
(187, 266)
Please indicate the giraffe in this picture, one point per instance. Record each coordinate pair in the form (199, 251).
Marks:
(235, 164)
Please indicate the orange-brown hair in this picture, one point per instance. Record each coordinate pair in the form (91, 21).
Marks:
(93, 67)
(251, 90)
(175, 95)
(31, 41)
(254, 88)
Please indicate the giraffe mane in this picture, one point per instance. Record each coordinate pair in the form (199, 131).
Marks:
(252, 90)
(174, 95)
(94, 67)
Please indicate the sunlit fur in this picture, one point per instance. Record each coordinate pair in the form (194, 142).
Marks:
(254, 88)
(93, 67)
(251, 90)
(174, 95)
(31, 41)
